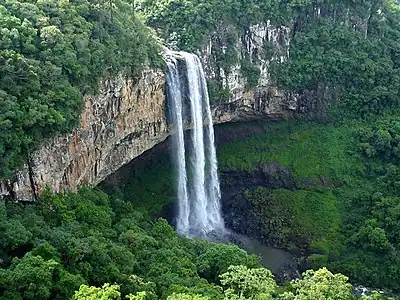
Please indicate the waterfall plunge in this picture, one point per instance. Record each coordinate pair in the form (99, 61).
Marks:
(198, 188)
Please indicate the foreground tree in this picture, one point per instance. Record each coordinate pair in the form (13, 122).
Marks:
(187, 297)
(320, 284)
(244, 283)
(106, 292)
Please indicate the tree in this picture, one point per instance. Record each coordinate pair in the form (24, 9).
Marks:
(216, 260)
(51, 54)
(320, 284)
(30, 277)
(106, 292)
(187, 297)
(242, 283)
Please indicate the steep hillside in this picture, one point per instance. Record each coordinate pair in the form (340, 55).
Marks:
(51, 54)
(321, 54)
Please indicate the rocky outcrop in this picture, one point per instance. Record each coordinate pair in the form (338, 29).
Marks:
(129, 116)
(262, 46)
(257, 104)
(125, 119)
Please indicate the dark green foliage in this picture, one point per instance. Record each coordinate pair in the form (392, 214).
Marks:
(268, 50)
(199, 17)
(373, 227)
(345, 53)
(298, 219)
(216, 92)
(346, 204)
(250, 72)
(53, 246)
(225, 47)
(359, 74)
(53, 52)
(148, 185)
(33, 277)
(216, 260)
(192, 24)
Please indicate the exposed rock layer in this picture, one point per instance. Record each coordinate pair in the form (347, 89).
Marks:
(125, 119)
(129, 116)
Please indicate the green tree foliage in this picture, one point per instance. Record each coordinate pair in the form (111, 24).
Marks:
(350, 219)
(216, 260)
(33, 277)
(51, 54)
(320, 284)
(78, 246)
(62, 241)
(359, 73)
(106, 292)
(372, 226)
(30, 276)
(186, 297)
(345, 53)
(241, 282)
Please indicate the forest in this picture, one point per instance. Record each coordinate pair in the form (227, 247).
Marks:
(97, 245)
(54, 52)
(87, 246)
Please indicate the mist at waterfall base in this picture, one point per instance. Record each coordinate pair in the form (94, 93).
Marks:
(198, 190)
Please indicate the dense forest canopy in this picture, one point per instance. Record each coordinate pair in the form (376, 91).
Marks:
(348, 50)
(51, 54)
(87, 245)
(54, 52)
(106, 249)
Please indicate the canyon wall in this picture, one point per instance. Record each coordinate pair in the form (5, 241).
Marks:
(129, 116)
(125, 119)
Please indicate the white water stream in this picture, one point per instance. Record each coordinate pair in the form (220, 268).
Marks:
(199, 212)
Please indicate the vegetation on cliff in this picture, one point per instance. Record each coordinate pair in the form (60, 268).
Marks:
(346, 53)
(53, 52)
(332, 192)
(341, 201)
(344, 59)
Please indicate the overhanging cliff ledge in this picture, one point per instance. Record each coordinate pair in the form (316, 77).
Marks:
(129, 116)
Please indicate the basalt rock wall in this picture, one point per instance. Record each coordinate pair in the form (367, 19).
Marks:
(130, 115)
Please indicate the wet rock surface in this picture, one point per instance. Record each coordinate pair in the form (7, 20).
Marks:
(241, 214)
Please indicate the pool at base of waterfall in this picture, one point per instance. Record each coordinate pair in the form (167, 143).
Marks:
(284, 265)
(271, 258)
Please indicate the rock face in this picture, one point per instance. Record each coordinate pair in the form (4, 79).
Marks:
(246, 214)
(129, 116)
(125, 119)
(262, 46)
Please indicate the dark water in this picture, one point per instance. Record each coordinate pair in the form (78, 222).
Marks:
(281, 263)
(273, 259)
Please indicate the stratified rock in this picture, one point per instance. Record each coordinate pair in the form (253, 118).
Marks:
(129, 116)
(125, 119)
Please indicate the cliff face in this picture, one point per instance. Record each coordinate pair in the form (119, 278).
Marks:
(225, 57)
(128, 117)
(125, 119)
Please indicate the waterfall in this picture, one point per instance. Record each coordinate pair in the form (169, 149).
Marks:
(199, 211)
(175, 96)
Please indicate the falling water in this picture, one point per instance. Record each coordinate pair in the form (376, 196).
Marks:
(175, 96)
(199, 197)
